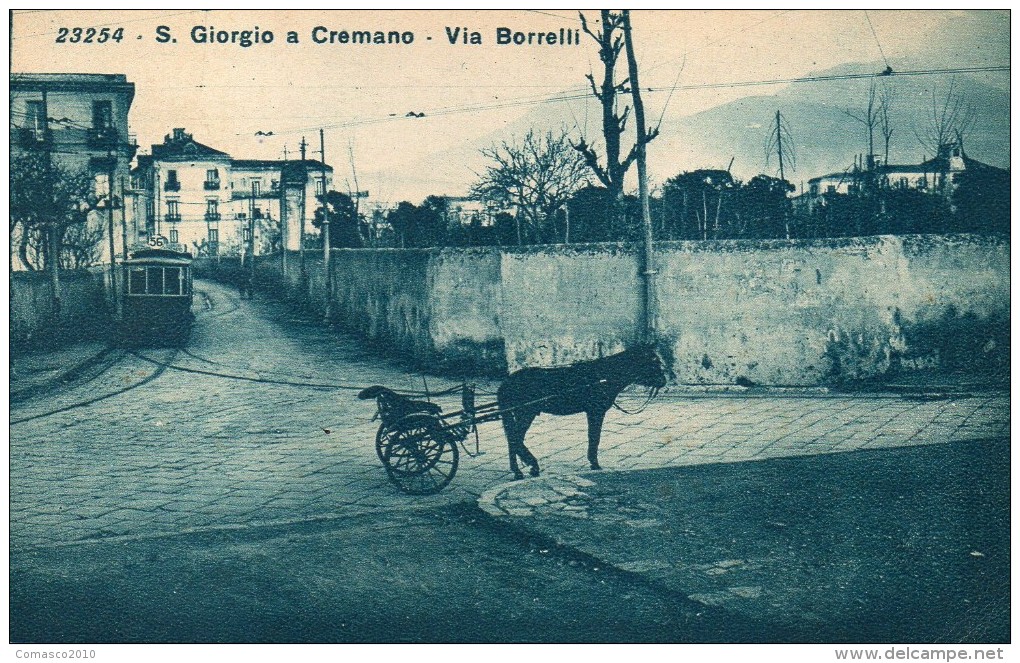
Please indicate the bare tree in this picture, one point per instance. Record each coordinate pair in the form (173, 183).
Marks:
(610, 43)
(47, 202)
(82, 246)
(355, 195)
(950, 121)
(869, 117)
(885, 101)
(537, 176)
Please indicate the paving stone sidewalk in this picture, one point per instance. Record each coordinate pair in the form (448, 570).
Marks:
(906, 544)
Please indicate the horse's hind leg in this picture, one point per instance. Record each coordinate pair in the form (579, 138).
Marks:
(513, 441)
(595, 420)
(516, 427)
(529, 458)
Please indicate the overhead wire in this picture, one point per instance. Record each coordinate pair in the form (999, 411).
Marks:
(875, 35)
(653, 90)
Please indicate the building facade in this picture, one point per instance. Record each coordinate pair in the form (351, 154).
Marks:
(938, 176)
(202, 200)
(77, 124)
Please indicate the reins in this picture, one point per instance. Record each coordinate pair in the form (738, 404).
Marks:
(652, 392)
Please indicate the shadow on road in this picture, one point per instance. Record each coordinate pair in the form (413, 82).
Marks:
(907, 545)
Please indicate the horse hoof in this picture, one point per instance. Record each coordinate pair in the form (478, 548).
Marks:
(518, 476)
(534, 471)
(596, 466)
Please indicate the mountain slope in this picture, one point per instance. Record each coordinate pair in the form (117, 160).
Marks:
(825, 138)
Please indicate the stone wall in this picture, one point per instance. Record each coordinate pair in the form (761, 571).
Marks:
(827, 311)
(768, 312)
(84, 308)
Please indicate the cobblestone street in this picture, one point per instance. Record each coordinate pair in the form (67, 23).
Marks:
(160, 441)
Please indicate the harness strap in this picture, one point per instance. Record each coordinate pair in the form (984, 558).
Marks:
(651, 394)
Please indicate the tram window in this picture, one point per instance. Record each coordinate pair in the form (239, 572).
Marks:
(155, 281)
(136, 281)
(172, 281)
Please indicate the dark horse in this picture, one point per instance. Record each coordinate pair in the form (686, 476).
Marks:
(588, 386)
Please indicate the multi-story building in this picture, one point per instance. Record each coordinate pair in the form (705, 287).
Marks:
(202, 200)
(78, 123)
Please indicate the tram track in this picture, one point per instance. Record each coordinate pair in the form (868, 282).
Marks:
(212, 310)
(159, 370)
(83, 374)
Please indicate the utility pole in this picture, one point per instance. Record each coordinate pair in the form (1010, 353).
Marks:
(782, 172)
(566, 219)
(304, 195)
(325, 215)
(246, 244)
(52, 242)
(325, 228)
(251, 242)
(123, 220)
(779, 145)
(648, 271)
(283, 214)
(775, 143)
(110, 164)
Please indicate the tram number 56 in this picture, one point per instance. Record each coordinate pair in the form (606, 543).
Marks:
(158, 241)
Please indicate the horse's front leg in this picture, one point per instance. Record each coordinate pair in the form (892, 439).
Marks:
(595, 420)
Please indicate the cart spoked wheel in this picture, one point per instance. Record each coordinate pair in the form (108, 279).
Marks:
(382, 438)
(419, 456)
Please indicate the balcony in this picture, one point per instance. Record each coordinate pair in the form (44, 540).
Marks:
(212, 216)
(103, 137)
(172, 217)
(212, 185)
(246, 194)
(172, 185)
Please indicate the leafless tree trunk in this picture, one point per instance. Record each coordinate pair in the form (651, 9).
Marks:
(885, 102)
(869, 117)
(950, 121)
(610, 43)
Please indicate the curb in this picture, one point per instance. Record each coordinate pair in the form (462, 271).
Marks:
(488, 501)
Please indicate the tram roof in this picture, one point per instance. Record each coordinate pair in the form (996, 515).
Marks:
(159, 257)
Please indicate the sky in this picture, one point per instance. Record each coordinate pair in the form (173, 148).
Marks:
(471, 95)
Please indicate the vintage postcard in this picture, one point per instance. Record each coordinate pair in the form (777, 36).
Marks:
(510, 326)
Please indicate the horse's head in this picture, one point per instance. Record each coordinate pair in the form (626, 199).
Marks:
(649, 369)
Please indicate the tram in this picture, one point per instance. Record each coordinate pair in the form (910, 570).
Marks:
(157, 298)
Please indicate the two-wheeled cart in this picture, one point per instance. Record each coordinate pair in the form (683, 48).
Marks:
(418, 444)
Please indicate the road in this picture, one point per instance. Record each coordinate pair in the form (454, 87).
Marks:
(241, 468)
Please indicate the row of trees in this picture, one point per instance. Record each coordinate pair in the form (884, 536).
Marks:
(700, 205)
